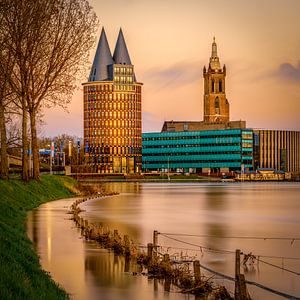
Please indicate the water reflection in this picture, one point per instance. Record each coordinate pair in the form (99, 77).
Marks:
(220, 210)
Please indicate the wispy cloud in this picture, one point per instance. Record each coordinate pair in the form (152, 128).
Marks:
(289, 72)
(178, 74)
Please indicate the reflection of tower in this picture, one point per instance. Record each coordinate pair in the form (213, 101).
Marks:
(216, 106)
(112, 111)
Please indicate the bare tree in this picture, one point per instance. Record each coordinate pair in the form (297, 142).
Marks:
(6, 66)
(50, 41)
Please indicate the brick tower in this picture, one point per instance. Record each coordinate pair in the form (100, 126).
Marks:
(216, 106)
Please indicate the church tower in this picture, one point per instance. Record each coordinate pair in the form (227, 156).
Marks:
(216, 106)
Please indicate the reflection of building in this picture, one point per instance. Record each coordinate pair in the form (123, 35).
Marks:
(112, 111)
(198, 151)
(277, 149)
(216, 105)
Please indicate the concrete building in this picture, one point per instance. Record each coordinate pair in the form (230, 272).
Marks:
(216, 113)
(198, 151)
(112, 111)
(277, 149)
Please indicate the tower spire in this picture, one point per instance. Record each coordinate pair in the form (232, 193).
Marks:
(214, 62)
(102, 59)
(121, 55)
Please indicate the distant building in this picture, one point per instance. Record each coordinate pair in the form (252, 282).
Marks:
(112, 111)
(277, 149)
(198, 151)
(216, 113)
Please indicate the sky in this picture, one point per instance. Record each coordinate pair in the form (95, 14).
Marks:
(169, 42)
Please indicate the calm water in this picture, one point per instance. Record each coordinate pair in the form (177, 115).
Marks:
(215, 212)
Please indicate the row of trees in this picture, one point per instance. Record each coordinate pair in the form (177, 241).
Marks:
(44, 50)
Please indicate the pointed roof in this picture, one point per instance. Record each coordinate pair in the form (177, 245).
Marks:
(102, 59)
(121, 55)
(214, 62)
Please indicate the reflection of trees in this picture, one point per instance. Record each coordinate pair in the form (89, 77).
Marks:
(32, 227)
(119, 212)
(107, 269)
(215, 197)
(216, 202)
(122, 187)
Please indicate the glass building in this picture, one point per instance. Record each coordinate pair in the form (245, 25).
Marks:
(198, 151)
(112, 111)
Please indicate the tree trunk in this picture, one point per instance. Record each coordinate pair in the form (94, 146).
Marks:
(4, 157)
(25, 170)
(34, 147)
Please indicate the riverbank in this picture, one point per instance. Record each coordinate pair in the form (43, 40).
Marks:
(21, 276)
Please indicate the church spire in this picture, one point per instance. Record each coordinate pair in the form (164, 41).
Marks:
(102, 59)
(121, 55)
(214, 62)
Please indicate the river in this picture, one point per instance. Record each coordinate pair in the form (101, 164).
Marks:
(194, 220)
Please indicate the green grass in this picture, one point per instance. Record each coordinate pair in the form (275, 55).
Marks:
(21, 276)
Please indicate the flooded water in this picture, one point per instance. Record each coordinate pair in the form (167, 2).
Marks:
(194, 219)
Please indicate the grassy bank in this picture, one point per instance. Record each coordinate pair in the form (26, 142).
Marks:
(21, 276)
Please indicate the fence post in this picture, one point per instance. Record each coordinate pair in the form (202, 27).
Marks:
(155, 242)
(166, 258)
(243, 288)
(150, 251)
(116, 235)
(127, 245)
(237, 274)
(197, 272)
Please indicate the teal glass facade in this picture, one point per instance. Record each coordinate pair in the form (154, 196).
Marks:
(198, 151)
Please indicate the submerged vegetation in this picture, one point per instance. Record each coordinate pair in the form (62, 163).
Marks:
(21, 276)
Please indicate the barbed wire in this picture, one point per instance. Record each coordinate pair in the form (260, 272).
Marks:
(292, 239)
(276, 266)
(199, 246)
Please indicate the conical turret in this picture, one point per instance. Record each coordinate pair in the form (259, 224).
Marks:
(214, 62)
(102, 60)
(121, 55)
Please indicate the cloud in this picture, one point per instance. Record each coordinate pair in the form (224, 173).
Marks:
(289, 72)
(178, 74)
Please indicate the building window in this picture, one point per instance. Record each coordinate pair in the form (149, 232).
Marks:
(213, 86)
(220, 86)
(217, 105)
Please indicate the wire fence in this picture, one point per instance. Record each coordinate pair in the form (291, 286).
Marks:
(201, 248)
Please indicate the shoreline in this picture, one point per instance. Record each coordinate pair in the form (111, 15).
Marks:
(21, 274)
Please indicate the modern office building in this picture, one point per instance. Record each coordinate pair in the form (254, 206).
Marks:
(277, 149)
(198, 151)
(216, 114)
(112, 111)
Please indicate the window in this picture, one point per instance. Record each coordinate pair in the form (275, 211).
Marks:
(220, 86)
(217, 105)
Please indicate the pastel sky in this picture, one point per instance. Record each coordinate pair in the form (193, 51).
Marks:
(169, 42)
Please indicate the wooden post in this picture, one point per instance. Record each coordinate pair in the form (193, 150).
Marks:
(243, 288)
(237, 274)
(155, 238)
(127, 264)
(167, 284)
(150, 251)
(127, 245)
(116, 235)
(197, 273)
(166, 257)
(155, 242)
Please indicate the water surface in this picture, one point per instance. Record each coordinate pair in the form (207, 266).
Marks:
(214, 211)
